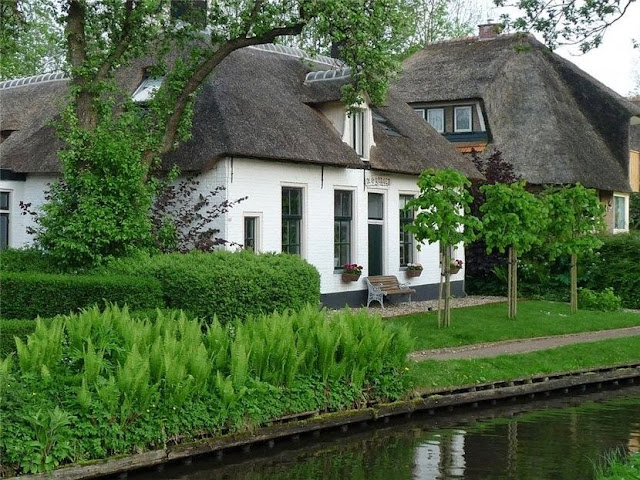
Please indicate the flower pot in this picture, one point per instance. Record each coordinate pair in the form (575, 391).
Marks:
(453, 269)
(414, 273)
(350, 277)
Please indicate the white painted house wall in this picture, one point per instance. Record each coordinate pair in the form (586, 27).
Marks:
(32, 190)
(262, 182)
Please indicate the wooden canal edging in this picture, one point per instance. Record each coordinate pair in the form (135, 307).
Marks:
(291, 427)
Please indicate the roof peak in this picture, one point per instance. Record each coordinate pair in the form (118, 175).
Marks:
(298, 53)
(42, 78)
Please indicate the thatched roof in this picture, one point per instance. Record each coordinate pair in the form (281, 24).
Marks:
(634, 131)
(555, 123)
(256, 104)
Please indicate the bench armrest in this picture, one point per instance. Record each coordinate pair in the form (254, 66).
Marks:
(404, 286)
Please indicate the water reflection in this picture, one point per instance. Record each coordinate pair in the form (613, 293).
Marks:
(558, 439)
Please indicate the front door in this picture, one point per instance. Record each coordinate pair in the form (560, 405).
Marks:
(375, 233)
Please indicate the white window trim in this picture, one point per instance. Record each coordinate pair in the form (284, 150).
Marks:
(469, 108)
(421, 112)
(441, 110)
(415, 242)
(147, 89)
(367, 133)
(258, 233)
(626, 214)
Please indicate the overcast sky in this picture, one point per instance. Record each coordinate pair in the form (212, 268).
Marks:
(615, 63)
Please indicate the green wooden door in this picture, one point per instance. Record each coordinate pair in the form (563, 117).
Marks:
(375, 249)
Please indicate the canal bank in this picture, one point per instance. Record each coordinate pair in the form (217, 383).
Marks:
(441, 402)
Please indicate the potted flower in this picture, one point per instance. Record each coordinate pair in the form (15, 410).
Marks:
(351, 272)
(455, 266)
(414, 269)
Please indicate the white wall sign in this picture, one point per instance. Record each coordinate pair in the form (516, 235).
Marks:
(378, 181)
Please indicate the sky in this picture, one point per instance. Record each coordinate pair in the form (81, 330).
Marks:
(615, 62)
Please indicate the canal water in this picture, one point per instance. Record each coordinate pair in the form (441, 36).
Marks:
(561, 438)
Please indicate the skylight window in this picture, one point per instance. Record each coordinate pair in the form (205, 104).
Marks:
(147, 89)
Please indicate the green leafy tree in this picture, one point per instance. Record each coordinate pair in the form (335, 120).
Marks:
(566, 22)
(634, 211)
(442, 215)
(111, 147)
(576, 216)
(31, 42)
(513, 220)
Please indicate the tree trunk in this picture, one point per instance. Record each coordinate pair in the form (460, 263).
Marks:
(512, 288)
(440, 289)
(447, 289)
(574, 283)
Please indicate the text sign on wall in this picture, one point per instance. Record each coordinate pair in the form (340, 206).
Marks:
(378, 181)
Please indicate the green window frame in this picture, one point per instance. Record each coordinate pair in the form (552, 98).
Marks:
(292, 220)
(343, 216)
(5, 199)
(406, 238)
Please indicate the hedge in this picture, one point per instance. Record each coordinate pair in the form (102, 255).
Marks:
(25, 260)
(228, 285)
(617, 265)
(28, 295)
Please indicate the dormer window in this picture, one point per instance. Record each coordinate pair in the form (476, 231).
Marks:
(147, 89)
(435, 117)
(462, 119)
(357, 132)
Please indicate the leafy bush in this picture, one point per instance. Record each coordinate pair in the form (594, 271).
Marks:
(28, 295)
(26, 260)
(616, 266)
(228, 285)
(605, 301)
(130, 385)
(14, 328)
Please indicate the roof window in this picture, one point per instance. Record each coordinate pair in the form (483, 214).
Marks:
(147, 89)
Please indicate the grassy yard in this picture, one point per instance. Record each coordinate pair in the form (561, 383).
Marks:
(489, 323)
(447, 373)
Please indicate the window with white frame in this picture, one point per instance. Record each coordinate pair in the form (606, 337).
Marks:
(342, 217)
(435, 117)
(251, 233)
(462, 119)
(357, 132)
(620, 213)
(147, 89)
(420, 112)
(292, 220)
(5, 198)
(406, 238)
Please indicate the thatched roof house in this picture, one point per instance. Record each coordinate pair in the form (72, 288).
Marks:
(257, 104)
(552, 121)
(269, 125)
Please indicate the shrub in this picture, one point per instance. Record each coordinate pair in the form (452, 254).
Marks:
(28, 295)
(616, 266)
(605, 301)
(26, 260)
(9, 329)
(226, 284)
(129, 385)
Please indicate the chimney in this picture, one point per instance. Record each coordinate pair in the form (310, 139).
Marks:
(489, 30)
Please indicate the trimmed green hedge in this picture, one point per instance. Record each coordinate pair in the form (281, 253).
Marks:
(617, 265)
(28, 295)
(26, 260)
(228, 285)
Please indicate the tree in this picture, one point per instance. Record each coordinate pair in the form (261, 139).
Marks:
(576, 217)
(438, 20)
(567, 22)
(30, 40)
(442, 215)
(111, 146)
(513, 220)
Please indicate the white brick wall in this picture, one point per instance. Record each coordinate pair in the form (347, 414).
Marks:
(30, 191)
(262, 182)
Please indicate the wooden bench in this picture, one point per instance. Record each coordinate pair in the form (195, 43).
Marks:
(382, 285)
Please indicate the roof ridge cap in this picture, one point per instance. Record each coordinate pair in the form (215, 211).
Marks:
(298, 53)
(42, 78)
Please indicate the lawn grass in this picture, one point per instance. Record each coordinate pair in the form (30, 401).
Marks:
(449, 373)
(620, 467)
(489, 323)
